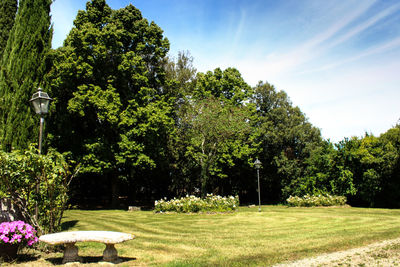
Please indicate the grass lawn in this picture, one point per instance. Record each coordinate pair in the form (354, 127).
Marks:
(243, 238)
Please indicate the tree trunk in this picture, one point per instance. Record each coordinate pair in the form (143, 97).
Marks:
(114, 191)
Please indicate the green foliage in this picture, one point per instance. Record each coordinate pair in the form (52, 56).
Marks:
(110, 111)
(227, 85)
(29, 178)
(315, 201)
(8, 9)
(188, 204)
(372, 162)
(23, 65)
(285, 140)
(215, 133)
(323, 174)
(180, 75)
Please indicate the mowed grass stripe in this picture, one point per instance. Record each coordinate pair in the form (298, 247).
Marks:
(244, 238)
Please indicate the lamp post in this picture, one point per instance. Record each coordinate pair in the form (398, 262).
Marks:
(40, 101)
(257, 163)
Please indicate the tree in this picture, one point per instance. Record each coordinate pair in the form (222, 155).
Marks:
(285, 139)
(325, 173)
(8, 9)
(389, 197)
(107, 82)
(216, 133)
(227, 85)
(180, 74)
(23, 67)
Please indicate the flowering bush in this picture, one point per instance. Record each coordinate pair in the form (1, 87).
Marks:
(319, 200)
(17, 232)
(195, 204)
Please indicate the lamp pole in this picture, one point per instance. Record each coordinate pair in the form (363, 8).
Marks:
(257, 163)
(41, 134)
(40, 102)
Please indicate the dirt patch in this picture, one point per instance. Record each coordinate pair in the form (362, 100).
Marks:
(386, 253)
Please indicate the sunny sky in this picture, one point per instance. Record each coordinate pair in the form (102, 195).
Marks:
(339, 61)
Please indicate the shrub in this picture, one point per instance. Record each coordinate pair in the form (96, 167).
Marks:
(28, 178)
(314, 201)
(188, 204)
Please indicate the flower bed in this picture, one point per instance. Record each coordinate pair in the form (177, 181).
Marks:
(314, 201)
(188, 204)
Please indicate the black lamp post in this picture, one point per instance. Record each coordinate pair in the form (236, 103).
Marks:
(257, 163)
(40, 101)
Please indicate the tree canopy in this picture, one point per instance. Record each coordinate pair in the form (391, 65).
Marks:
(23, 66)
(8, 9)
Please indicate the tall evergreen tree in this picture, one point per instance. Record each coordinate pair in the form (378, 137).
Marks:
(8, 9)
(23, 67)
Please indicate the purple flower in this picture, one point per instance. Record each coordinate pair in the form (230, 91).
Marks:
(17, 232)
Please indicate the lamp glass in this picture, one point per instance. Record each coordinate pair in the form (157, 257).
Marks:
(257, 163)
(40, 101)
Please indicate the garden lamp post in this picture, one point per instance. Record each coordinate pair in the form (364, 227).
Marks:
(40, 101)
(257, 163)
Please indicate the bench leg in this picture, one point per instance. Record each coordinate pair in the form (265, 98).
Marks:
(71, 253)
(110, 254)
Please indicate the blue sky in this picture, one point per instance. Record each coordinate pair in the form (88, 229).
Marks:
(339, 61)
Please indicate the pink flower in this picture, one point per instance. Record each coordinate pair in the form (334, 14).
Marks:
(17, 232)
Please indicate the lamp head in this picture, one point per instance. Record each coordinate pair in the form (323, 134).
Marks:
(40, 101)
(257, 163)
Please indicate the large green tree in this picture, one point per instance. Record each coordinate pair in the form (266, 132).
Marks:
(213, 128)
(285, 139)
(216, 133)
(23, 66)
(107, 81)
(8, 9)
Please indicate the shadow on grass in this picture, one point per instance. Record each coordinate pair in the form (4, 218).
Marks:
(21, 258)
(89, 259)
(69, 224)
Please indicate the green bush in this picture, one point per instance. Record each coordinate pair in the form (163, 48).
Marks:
(314, 201)
(28, 178)
(188, 204)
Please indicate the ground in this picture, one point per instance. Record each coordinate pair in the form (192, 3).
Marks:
(386, 253)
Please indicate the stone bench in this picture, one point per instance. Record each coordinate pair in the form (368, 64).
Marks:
(110, 254)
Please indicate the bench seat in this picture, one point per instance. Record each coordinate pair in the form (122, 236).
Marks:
(109, 238)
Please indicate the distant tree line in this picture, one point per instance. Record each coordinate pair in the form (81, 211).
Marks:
(143, 125)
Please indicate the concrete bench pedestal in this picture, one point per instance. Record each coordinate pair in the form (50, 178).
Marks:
(110, 253)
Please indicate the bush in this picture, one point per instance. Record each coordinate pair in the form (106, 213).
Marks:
(195, 204)
(28, 178)
(314, 201)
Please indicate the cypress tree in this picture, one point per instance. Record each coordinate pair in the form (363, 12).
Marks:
(8, 9)
(23, 65)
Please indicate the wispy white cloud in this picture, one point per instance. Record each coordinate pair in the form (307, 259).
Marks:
(377, 49)
(282, 63)
(365, 25)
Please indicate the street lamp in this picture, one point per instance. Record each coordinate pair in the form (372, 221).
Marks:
(257, 163)
(40, 101)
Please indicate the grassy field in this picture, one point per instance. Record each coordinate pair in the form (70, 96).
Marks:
(243, 238)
